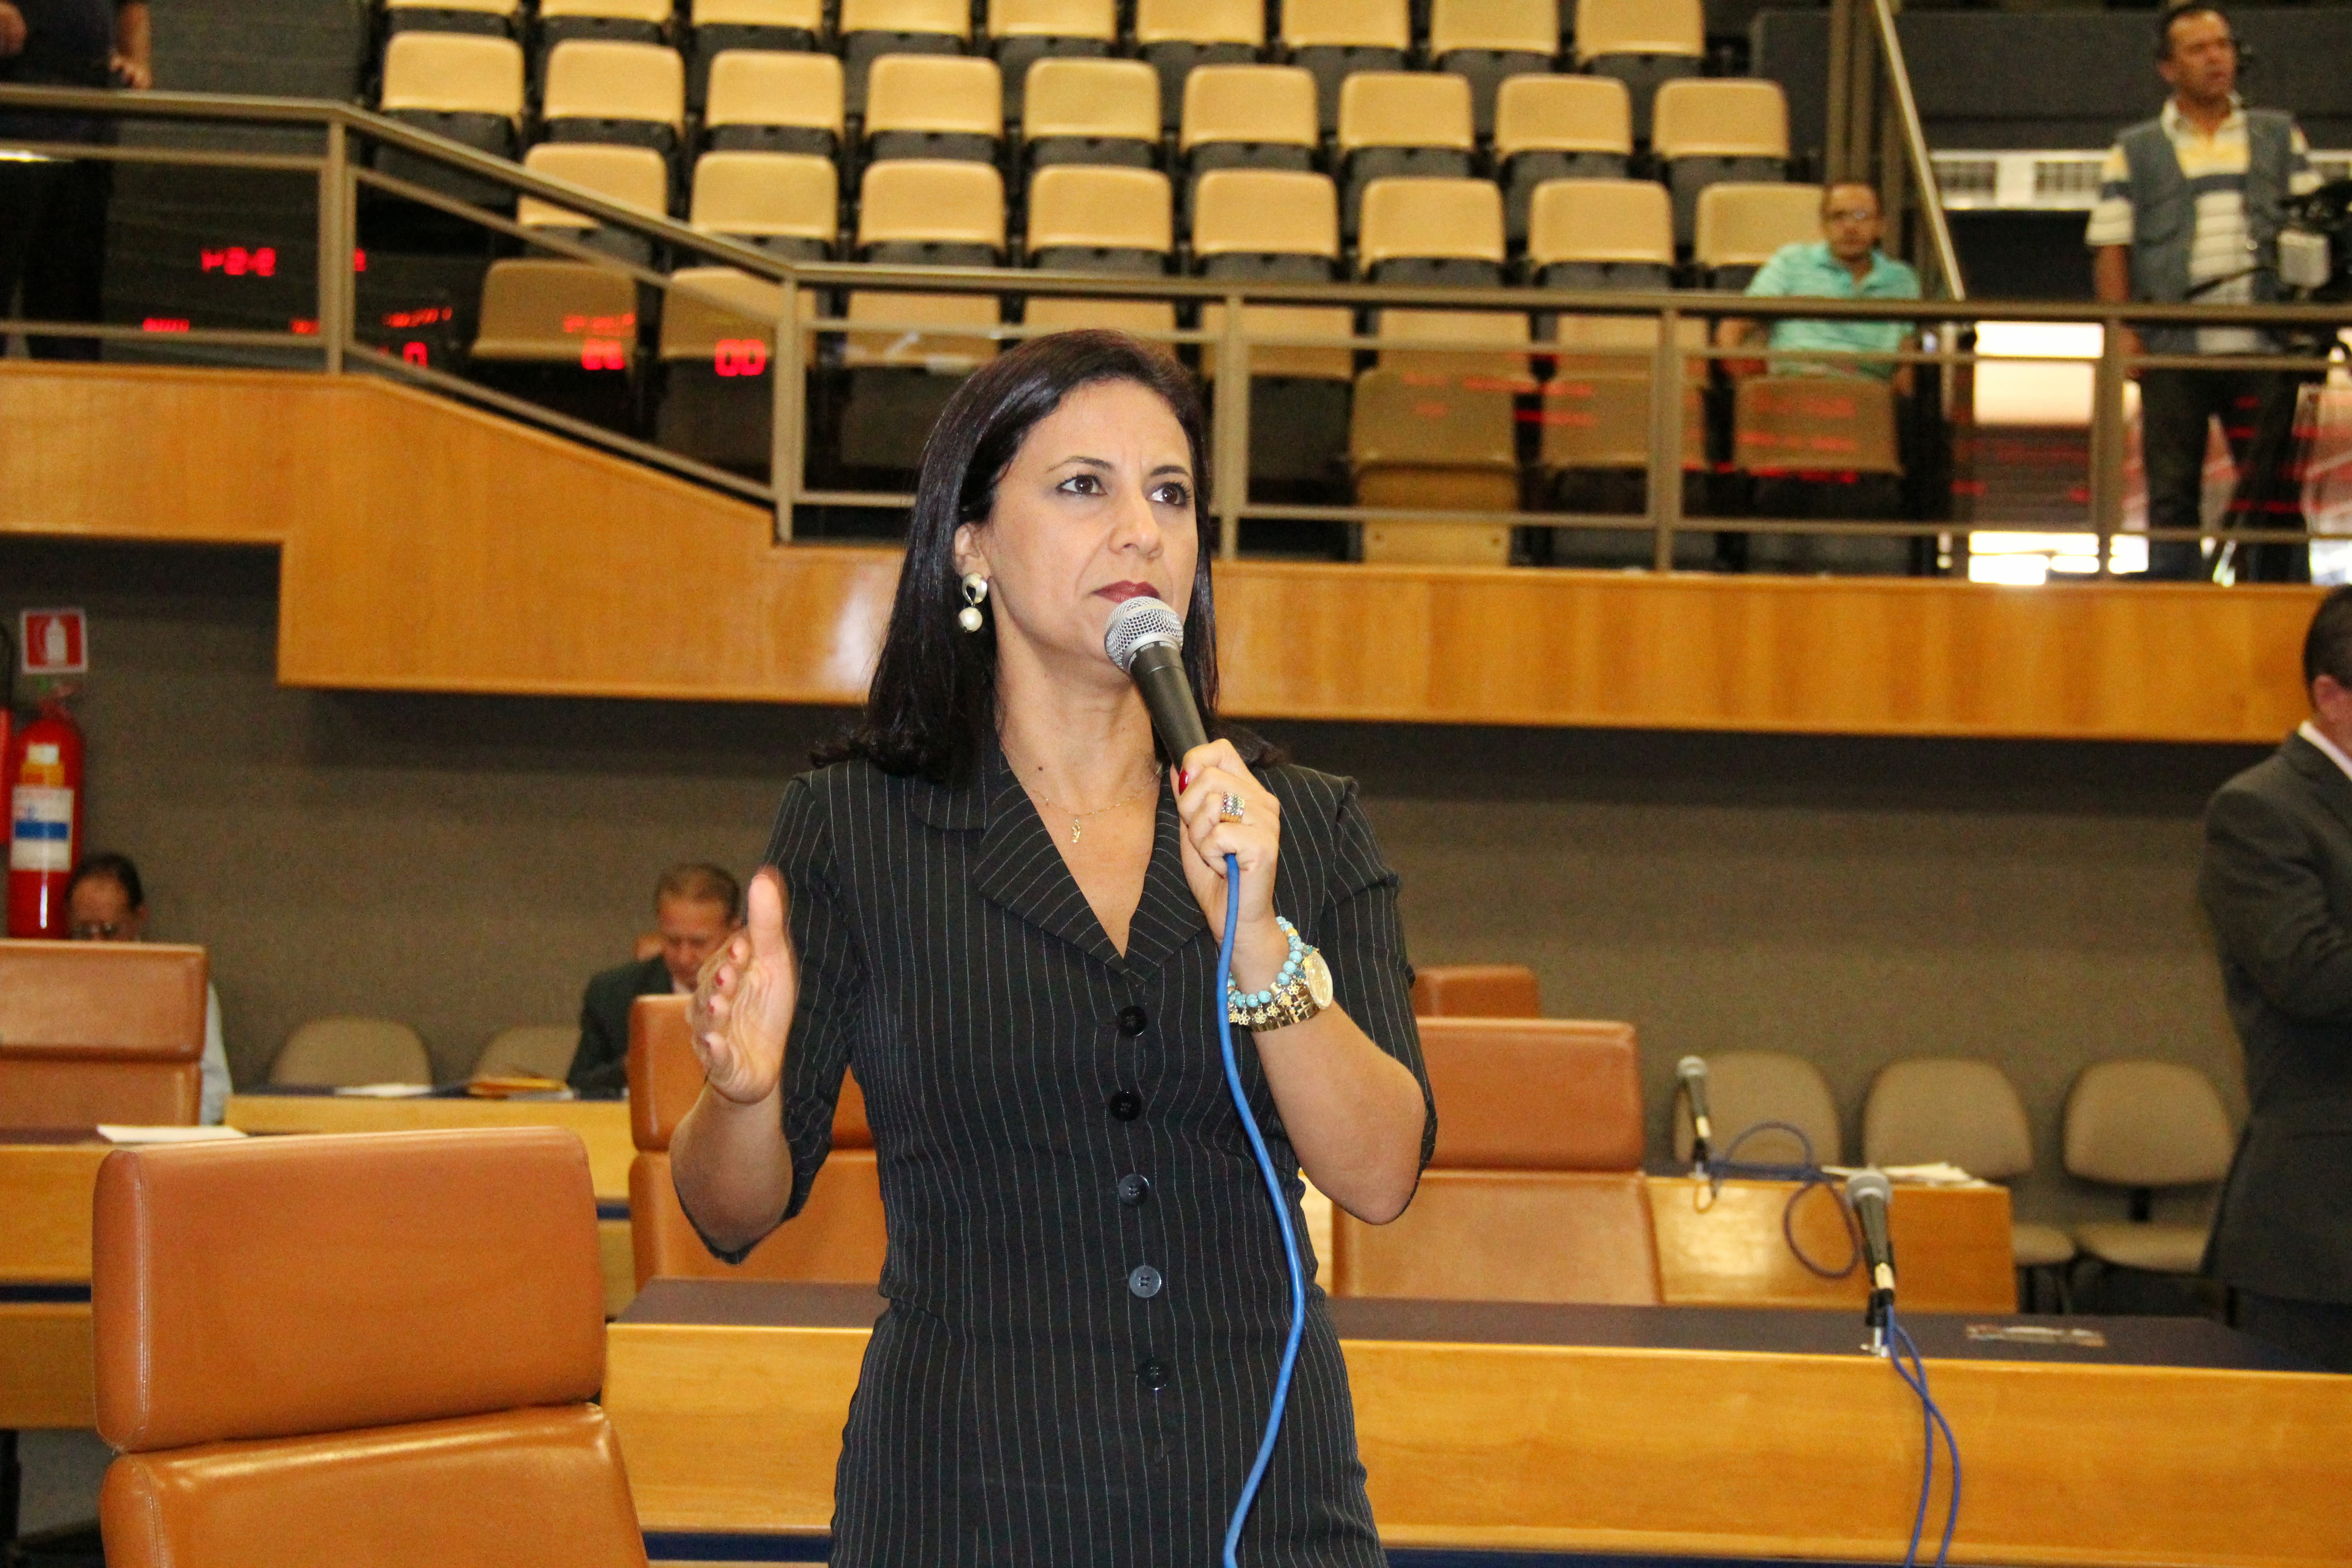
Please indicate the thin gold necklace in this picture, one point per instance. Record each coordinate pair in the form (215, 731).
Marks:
(1078, 819)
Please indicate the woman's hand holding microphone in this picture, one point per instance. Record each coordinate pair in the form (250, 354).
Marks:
(743, 999)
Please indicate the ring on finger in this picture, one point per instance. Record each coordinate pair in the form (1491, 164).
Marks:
(1230, 809)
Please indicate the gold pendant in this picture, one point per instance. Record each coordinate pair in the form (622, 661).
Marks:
(1075, 829)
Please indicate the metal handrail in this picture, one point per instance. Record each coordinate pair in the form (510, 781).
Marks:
(1915, 147)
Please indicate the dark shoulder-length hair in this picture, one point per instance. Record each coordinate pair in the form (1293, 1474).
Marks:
(931, 710)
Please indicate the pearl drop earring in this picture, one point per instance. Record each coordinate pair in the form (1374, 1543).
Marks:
(975, 589)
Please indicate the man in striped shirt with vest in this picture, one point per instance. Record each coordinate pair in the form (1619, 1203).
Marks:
(2191, 205)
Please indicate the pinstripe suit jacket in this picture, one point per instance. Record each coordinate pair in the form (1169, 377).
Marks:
(1028, 1398)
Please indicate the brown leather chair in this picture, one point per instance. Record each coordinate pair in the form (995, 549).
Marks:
(838, 1237)
(376, 1349)
(1535, 1094)
(101, 1031)
(1476, 991)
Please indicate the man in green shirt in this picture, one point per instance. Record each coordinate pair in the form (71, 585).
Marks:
(1846, 263)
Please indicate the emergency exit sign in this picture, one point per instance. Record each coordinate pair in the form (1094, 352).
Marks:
(53, 642)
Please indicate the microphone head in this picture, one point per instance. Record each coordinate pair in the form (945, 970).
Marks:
(1690, 1067)
(1139, 623)
(1869, 1184)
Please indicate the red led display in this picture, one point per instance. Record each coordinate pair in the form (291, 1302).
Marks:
(424, 316)
(606, 326)
(303, 327)
(599, 353)
(416, 352)
(237, 262)
(164, 324)
(740, 356)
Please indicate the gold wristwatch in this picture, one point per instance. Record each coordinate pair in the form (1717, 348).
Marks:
(1300, 990)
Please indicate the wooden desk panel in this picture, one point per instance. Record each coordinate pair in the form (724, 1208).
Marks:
(603, 1124)
(46, 1365)
(44, 1200)
(1951, 1247)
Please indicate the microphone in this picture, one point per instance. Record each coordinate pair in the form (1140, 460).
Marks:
(1868, 1192)
(1692, 1071)
(1146, 639)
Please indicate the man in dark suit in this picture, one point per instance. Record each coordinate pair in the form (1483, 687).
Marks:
(696, 907)
(2277, 882)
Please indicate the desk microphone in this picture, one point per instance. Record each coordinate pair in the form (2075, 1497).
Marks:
(1692, 1071)
(1146, 639)
(1867, 1193)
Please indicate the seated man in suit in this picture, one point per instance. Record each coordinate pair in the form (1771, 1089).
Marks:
(2277, 881)
(696, 907)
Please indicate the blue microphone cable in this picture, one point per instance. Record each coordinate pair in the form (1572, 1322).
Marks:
(1915, 1377)
(1281, 1216)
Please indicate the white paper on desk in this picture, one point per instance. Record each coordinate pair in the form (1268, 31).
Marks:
(386, 1090)
(120, 1134)
(1942, 1173)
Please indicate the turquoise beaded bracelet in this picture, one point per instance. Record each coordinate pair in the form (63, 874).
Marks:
(1235, 1000)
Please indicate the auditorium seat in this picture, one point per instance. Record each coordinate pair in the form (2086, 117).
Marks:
(1535, 1094)
(1706, 132)
(765, 101)
(1091, 111)
(98, 1032)
(1746, 1088)
(466, 87)
(496, 19)
(1601, 234)
(1246, 117)
(560, 334)
(616, 21)
(1335, 38)
(1425, 443)
(872, 28)
(718, 352)
(637, 175)
(1431, 231)
(372, 1350)
(786, 203)
(1400, 124)
(1966, 1111)
(934, 106)
(1559, 127)
(534, 1050)
(759, 26)
(839, 1236)
(2143, 1126)
(1455, 338)
(1174, 36)
(1100, 220)
(598, 91)
(1490, 41)
(341, 1052)
(1594, 445)
(1055, 313)
(1738, 227)
(1023, 32)
(1476, 991)
(1819, 447)
(1642, 43)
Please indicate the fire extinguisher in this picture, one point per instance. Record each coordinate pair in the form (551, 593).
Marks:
(44, 799)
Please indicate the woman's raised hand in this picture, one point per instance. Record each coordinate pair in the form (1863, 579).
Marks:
(1211, 773)
(742, 1006)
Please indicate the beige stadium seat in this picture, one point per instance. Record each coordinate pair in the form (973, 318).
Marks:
(760, 26)
(1143, 318)
(1559, 127)
(769, 101)
(1746, 1088)
(599, 92)
(1708, 132)
(1248, 117)
(637, 175)
(468, 89)
(1423, 443)
(1266, 225)
(339, 1053)
(1023, 32)
(496, 18)
(1431, 231)
(1402, 124)
(2142, 1126)
(1491, 41)
(785, 202)
(1091, 111)
(1784, 425)
(1336, 38)
(717, 346)
(530, 1051)
(562, 335)
(1738, 227)
(1594, 441)
(618, 21)
(1174, 36)
(1966, 1112)
(1458, 330)
(918, 212)
(1601, 234)
(1476, 991)
(1100, 220)
(872, 28)
(934, 106)
(1642, 43)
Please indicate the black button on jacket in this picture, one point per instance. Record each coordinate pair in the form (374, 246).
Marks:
(1000, 1418)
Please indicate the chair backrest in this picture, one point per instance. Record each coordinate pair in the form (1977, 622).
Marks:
(1399, 420)
(1507, 1235)
(1136, 315)
(952, 93)
(713, 311)
(808, 16)
(1535, 1094)
(535, 1051)
(1264, 212)
(656, 11)
(453, 73)
(775, 87)
(1404, 109)
(340, 1052)
(1562, 114)
(549, 312)
(1119, 209)
(1600, 220)
(1744, 1088)
(665, 1080)
(1639, 27)
(1949, 1109)
(949, 17)
(1595, 345)
(98, 1032)
(1345, 23)
(1287, 320)
(371, 1349)
(1200, 22)
(598, 78)
(1090, 98)
(1719, 117)
(1273, 104)
(1741, 224)
(1094, 19)
(1507, 371)
(638, 175)
(2147, 1124)
(1476, 991)
(765, 196)
(1440, 219)
(1519, 26)
(931, 200)
(1814, 424)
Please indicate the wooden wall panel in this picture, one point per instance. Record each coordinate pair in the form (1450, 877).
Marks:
(430, 546)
